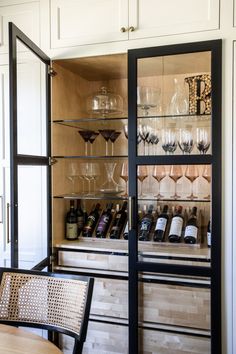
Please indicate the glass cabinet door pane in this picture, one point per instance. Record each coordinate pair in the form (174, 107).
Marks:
(31, 111)
(174, 212)
(174, 104)
(32, 215)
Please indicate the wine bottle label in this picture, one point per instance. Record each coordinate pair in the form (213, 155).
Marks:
(176, 226)
(191, 231)
(209, 238)
(71, 231)
(145, 224)
(103, 222)
(90, 222)
(80, 221)
(118, 216)
(161, 224)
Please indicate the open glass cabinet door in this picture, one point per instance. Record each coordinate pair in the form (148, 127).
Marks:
(30, 148)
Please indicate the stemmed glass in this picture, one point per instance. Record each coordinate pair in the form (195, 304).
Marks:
(125, 129)
(124, 176)
(191, 173)
(91, 172)
(86, 135)
(152, 139)
(169, 143)
(142, 174)
(203, 140)
(185, 141)
(106, 134)
(113, 138)
(91, 140)
(73, 174)
(147, 97)
(158, 173)
(207, 175)
(143, 132)
(175, 174)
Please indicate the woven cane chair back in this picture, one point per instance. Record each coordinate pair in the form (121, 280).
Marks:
(46, 301)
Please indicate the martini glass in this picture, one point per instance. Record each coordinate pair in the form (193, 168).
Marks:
(91, 140)
(106, 134)
(113, 138)
(86, 135)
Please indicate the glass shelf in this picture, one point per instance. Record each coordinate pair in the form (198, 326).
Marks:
(74, 123)
(90, 197)
(92, 157)
(205, 117)
(180, 200)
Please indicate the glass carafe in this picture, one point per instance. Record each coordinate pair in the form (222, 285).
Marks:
(110, 186)
(179, 100)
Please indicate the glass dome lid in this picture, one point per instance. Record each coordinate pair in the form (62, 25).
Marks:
(105, 103)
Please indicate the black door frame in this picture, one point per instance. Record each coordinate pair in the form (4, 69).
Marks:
(18, 159)
(135, 266)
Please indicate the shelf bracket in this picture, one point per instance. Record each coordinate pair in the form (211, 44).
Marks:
(52, 161)
(51, 71)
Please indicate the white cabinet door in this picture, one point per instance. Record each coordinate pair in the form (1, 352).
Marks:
(77, 22)
(25, 16)
(4, 113)
(151, 18)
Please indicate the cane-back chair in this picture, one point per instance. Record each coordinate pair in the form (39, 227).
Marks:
(52, 301)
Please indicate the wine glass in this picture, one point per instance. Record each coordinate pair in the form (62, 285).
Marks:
(143, 132)
(203, 140)
(91, 140)
(142, 174)
(106, 134)
(158, 173)
(86, 135)
(124, 176)
(147, 97)
(91, 172)
(191, 173)
(152, 139)
(125, 129)
(207, 175)
(73, 174)
(185, 141)
(169, 143)
(175, 174)
(113, 138)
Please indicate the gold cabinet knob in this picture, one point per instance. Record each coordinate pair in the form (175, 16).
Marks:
(131, 29)
(123, 29)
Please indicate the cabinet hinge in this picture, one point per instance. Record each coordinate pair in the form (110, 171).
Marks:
(52, 161)
(51, 71)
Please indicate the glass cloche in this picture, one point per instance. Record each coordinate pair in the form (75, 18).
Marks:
(105, 102)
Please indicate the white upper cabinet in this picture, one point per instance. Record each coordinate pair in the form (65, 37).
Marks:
(25, 16)
(77, 22)
(151, 18)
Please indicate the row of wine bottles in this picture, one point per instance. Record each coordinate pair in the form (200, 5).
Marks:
(78, 222)
(152, 224)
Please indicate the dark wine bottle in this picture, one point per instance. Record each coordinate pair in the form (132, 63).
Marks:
(209, 234)
(91, 221)
(146, 225)
(71, 223)
(80, 217)
(161, 225)
(176, 225)
(104, 222)
(191, 229)
(119, 222)
(126, 231)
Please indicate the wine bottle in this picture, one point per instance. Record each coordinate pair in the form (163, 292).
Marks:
(104, 222)
(146, 225)
(91, 221)
(119, 222)
(80, 217)
(161, 225)
(126, 231)
(176, 225)
(191, 230)
(71, 223)
(209, 234)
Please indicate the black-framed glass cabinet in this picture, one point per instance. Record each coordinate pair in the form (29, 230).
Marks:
(169, 137)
